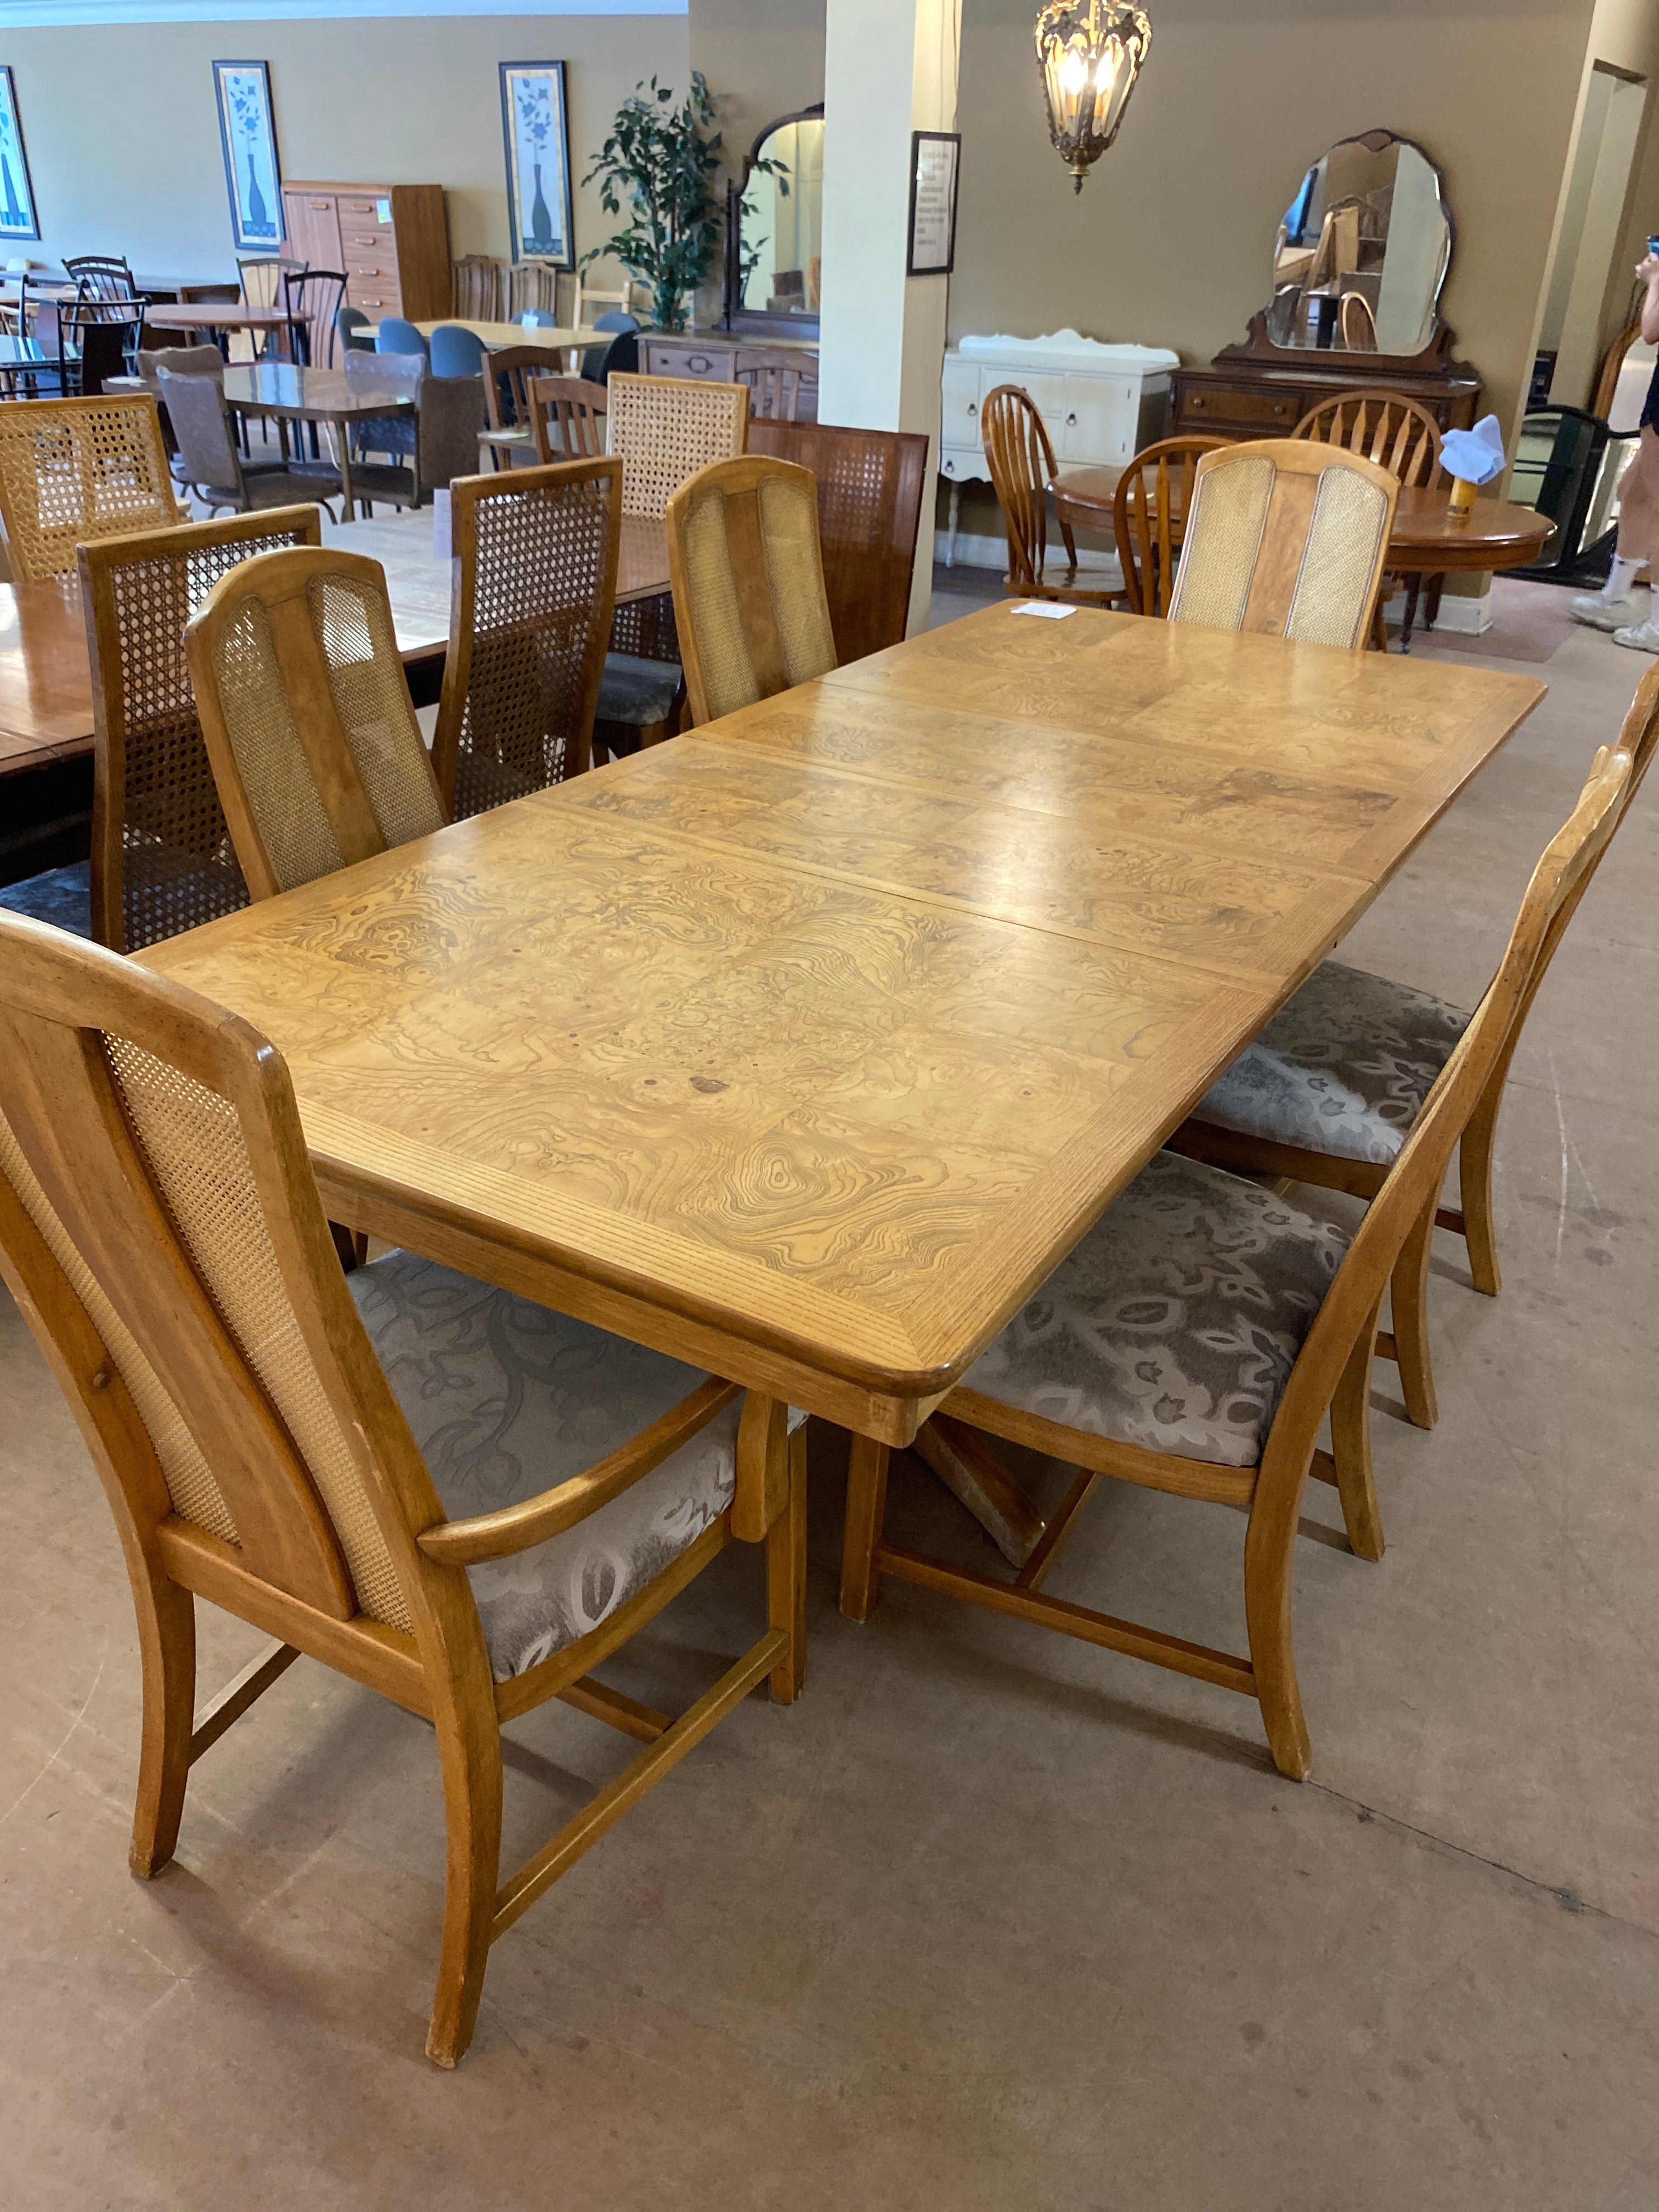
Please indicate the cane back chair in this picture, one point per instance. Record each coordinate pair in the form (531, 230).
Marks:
(74, 469)
(1022, 464)
(161, 854)
(1149, 507)
(305, 707)
(749, 598)
(329, 1463)
(530, 619)
(1401, 435)
(1285, 538)
(1197, 1337)
(870, 490)
(1329, 1091)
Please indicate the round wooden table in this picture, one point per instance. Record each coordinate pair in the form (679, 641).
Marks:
(1428, 538)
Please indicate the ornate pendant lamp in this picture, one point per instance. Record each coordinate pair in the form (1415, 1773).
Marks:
(1089, 53)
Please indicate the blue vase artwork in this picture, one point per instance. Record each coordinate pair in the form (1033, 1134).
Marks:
(541, 223)
(250, 160)
(17, 217)
(533, 110)
(256, 198)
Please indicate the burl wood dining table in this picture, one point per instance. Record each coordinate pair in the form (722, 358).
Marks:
(805, 1045)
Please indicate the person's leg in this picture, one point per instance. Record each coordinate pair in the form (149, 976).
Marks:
(1611, 607)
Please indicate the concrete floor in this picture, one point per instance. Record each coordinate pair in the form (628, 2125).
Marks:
(989, 1919)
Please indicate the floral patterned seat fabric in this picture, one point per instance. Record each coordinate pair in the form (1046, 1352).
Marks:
(1342, 1069)
(505, 1398)
(1176, 1322)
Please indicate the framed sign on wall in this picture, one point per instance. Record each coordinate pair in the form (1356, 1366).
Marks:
(248, 135)
(537, 162)
(935, 158)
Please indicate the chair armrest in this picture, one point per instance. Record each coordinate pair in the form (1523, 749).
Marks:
(498, 1535)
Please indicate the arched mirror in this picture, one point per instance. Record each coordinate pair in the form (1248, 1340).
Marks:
(775, 228)
(1363, 251)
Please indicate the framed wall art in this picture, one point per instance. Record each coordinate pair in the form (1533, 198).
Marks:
(935, 156)
(537, 162)
(17, 215)
(248, 135)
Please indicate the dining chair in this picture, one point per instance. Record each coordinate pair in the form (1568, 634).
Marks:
(314, 299)
(507, 438)
(438, 443)
(260, 279)
(1022, 464)
(182, 361)
(1149, 507)
(72, 470)
(870, 493)
(356, 331)
(1357, 324)
(1198, 1336)
(535, 553)
(454, 351)
(750, 605)
(478, 289)
(1331, 1089)
(1400, 434)
(458, 1500)
(566, 416)
(774, 377)
(305, 709)
(619, 355)
(211, 461)
(99, 333)
(530, 285)
(393, 335)
(391, 436)
(1285, 538)
(630, 298)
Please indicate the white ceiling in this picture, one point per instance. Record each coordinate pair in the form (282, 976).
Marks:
(33, 14)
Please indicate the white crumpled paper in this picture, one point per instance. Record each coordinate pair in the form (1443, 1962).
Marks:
(1476, 456)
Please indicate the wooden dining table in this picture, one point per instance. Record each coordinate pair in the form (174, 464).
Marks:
(805, 1045)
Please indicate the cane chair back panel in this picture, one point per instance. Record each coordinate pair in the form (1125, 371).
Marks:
(1285, 538)
(1022, 464)
(1153, 499)
(870, 492)
(162, 859)
(74, 469)
(749, 598)
(305, 711)
(665, 429)
(566, 416)
(1384, 426)
(536, 554)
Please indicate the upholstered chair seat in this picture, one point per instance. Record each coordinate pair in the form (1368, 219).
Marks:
(638, 693)
(1342, 1069)
(508, 1398)
(1176, 1322)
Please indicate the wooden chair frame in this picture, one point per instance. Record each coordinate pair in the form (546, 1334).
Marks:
(32, 555)
(1331, 1374)
(1144, 524)
(667, 428)
(288, 1576)
(1407, 1343)
(739, 481)
(1400, 434)
(579, 409)
(505, 436)
(467, 495)
(281, 582)
(870, 493)
(1021, 460)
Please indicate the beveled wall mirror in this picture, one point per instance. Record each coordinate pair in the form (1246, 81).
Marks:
(774, 229)
(1363, 251)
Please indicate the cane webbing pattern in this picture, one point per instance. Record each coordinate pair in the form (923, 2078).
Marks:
(175, 862)
(293, 824)
(539, 588)
(1332, 600)
(712, 609)
(665, 429)
(72, 470)
(195, 1494)
(371, 697)
(645, 629)
(1223, 538)
(192, 1145)
(789, 531)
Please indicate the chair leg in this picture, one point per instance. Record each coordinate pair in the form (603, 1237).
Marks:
(1350, 1445)
(1269, 1553)
(786, 1577)
(867, 1509)
(470, 1750)
(1474, 1165)
(1408, 1300)
(166, 1636)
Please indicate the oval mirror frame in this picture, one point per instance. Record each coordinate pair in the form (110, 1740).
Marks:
(735, 315)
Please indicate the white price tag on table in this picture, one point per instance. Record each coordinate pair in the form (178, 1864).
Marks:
(1046, 608)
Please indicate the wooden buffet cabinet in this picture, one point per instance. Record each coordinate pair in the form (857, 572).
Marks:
(391, 241)
(722, 355)
(1261, 390)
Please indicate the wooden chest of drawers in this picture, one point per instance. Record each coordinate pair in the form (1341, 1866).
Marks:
(391, 241)
(1244, 398)
(722, 358)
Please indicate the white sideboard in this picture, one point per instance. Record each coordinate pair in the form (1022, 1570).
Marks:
(1100, 403)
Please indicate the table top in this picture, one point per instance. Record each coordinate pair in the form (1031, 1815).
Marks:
(283, 387)
(506, 334)
(1493, 533)
(223, 314)
(805, 1045)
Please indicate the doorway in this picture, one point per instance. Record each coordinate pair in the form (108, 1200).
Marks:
(1590, 225)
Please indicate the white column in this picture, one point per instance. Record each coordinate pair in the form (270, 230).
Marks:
(889, 68)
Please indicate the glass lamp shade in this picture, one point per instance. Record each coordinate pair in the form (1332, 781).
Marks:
(1089, 55)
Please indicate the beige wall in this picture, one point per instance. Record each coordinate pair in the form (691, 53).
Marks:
(124, 143)
(763, 58)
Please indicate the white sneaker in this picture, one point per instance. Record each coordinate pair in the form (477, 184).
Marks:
(1641, 637)
(1603, 614)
